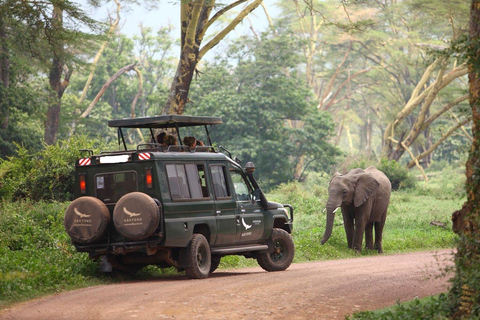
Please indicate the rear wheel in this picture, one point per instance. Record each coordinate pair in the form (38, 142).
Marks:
(199, 259)
(280, 256)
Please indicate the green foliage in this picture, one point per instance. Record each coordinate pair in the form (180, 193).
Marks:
(432, 308)
(35, 252)
(267, 109)
(43, 175)
(399, 175)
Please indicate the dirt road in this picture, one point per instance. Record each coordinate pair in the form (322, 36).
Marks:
(318, 290)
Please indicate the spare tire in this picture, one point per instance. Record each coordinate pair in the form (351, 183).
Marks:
(136, 216)
(86, 219)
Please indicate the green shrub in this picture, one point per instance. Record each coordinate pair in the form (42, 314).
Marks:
(43, 175)
(434, 308)
(399, 176)
(35, 252)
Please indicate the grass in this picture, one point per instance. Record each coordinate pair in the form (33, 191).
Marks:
(36, 257)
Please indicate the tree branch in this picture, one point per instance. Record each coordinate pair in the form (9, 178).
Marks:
(229, 28)
(105, 87)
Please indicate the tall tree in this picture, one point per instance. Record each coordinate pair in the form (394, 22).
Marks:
(195, 20)
(465, 292)
(41, 31)
(262, 92)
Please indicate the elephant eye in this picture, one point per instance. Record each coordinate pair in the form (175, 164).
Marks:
(344, 191)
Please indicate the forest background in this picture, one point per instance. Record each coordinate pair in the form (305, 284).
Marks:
(325, 82)
(325, 78)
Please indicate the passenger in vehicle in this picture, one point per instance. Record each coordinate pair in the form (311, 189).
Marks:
(191, 142)
(161, 138)
(170, 140)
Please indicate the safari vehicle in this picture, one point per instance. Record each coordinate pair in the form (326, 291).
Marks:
(176, 206)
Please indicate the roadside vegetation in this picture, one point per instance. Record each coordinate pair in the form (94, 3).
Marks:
(36, 257)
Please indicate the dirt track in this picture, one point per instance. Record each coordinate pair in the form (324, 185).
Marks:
(318, 290)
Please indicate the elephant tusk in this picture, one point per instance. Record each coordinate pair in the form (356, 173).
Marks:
(324, 209)
(336, 209)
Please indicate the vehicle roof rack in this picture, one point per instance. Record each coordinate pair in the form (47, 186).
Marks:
(165, 121)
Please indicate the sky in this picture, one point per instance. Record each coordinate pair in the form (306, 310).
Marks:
(167, 12)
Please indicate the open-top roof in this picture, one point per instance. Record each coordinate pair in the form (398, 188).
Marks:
(167, 121)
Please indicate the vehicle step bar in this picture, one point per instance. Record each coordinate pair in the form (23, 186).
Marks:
(229, 250)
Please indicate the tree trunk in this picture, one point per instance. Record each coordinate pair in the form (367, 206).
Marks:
(4, 71)
(57, 70)
(195, 20)
(465, 291)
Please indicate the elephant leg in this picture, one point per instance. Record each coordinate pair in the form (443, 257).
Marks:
(348, 224)
(358, 236)
(369, 236)
(378, 233)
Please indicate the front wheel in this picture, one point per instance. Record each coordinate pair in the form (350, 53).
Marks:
(199, 258)
(281, 255)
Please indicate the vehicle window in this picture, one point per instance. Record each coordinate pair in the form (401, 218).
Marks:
(219, 182)
(241, 186)
(187, 181)
(111, 187)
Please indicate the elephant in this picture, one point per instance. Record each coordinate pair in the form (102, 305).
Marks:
(363, 196)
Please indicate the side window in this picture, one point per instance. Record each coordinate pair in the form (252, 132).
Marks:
(186, 182)
(241, 186)
(219, 182)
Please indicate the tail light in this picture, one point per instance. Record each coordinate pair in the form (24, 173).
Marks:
(148, 178)
(82, 183)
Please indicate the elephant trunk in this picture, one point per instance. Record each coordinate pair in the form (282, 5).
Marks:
(331, 209)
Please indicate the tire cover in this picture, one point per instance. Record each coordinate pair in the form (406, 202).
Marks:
(86, 219)
(136, 216)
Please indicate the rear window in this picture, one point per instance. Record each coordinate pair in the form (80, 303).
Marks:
(187, 181)
(110, 187)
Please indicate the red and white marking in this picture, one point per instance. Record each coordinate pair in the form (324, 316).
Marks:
(84, 162)
(144, 156)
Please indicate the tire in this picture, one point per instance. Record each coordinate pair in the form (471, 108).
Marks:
(281, 255)
(215, 263)
(86, 219)
(199, 259)
(136, 216)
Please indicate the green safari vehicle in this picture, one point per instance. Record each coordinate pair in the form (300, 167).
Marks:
(174, 206)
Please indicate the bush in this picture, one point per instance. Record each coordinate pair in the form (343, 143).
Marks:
(35, 252)
(43, 175)
(399, 176)
(435, 308)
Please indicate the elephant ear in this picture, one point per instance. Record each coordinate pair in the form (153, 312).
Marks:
(365, 187)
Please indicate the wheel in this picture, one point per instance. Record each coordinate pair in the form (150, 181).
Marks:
(215, 263)
(199, 259)
(86, 219)
(136, 216)
(282, 253)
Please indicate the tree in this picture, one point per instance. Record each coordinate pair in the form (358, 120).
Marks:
(196, 19)
(40, 31)
(262, 92)
(465, 292)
